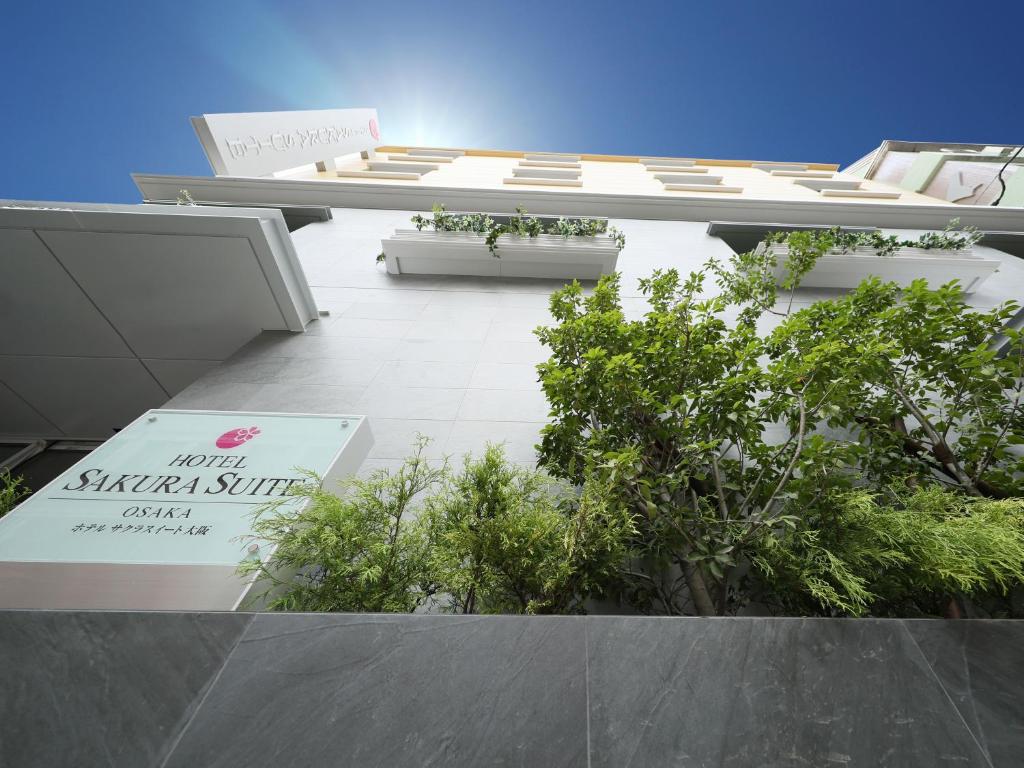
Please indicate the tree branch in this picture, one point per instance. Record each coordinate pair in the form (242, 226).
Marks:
(716, 475)
(940, 450)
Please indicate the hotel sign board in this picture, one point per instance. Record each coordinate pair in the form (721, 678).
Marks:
(261, 143)
(173, 491)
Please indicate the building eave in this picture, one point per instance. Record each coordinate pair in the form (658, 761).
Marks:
(271, 191)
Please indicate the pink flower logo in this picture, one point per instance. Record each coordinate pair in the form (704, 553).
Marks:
(374, 130)
(236, 437)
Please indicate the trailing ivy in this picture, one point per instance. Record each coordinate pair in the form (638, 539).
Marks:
(952, 238)
(519, 224)
(749, 278)
(807, 246)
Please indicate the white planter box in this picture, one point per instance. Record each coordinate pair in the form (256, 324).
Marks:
(847, 270)
(410, 251)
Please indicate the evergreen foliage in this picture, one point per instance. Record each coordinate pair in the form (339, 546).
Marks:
(493, 538)
(11, 491)
(357, 550)
(509, 540)
(893, 554)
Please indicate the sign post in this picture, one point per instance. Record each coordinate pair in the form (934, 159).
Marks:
(155, 518)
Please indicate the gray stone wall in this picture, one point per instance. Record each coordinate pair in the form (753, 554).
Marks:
(220, 689)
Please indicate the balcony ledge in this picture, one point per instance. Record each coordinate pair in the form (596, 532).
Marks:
(410, 251)
(847, 270)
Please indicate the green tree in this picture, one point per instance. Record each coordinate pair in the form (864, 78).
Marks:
(720, 438)
(674, 408)
(915, 378)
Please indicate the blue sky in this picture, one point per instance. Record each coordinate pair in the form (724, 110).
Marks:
(94, 91)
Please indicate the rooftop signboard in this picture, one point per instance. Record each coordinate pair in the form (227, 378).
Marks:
(261, 143)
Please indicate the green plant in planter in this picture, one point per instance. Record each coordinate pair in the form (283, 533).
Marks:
(896, 553)
(587, 228)
(519, 224)
(479, 223)
(12, 490)
(953, 237)
(360, 550)
(510, 540)
(749, 278)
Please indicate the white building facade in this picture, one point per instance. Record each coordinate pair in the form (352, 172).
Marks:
(218, 307)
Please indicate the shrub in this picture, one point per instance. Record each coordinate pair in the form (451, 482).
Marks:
(509, 540)
(897, 554)
(360, 550)
(493, 538)
(11, 491)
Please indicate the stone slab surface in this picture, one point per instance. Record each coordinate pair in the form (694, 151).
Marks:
(395, 691)
(167, 689)
(981, 672)
(105, 688)
(770, 692)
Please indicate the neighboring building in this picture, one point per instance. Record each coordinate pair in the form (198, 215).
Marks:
(966, 174)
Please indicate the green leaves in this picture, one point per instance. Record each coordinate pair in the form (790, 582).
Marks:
(518, 225)
(846, 462)
(727, 443)
(492, 538)
(510, 540)
(11, 491)
(912, 374)
(360, 550)
(896, 558)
